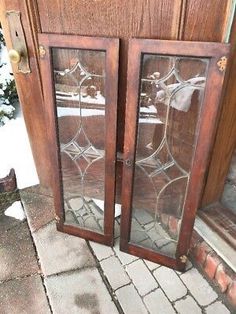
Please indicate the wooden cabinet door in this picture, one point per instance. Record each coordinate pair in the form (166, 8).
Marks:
(80, 77)
(173, 97)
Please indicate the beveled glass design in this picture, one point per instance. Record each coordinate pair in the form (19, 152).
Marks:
(79, 77)
(170, 99)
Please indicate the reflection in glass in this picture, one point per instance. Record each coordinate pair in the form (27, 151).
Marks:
(170, 99)
(79, 77)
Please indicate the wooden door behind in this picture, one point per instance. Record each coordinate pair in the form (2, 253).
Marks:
(154, 19)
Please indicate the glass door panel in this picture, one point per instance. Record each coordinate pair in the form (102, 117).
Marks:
(79, 77)
(169, 107)
(168, 97)
(84, 88)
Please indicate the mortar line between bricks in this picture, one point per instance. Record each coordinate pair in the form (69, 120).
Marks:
(203, 307)
(139, 295)
(34, 193)
(220, 296)
(39, 265)
(132, 283)
(69, 271)
(124, 265)
(44, 225)
(20, 277)
(188, 293)
(17, 225)
(159, 286)
(102, 259)
(125, 285)
(153, 290)
(147, 270)
(171, 302)
(152, 270)
(105, 281)
(216, 300)
(223, 300)
(127, 263)
(47, 296)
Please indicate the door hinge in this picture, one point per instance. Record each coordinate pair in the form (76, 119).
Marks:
(57, 218)
(222, 63)
(183, 259)
(42, 51)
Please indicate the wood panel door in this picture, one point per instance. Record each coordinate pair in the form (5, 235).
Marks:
(173, 97)
(80, 79)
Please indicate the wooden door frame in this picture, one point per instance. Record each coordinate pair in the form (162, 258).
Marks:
(225, 139)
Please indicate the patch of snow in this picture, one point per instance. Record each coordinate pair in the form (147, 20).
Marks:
(66, 111)
(7, 109)
(16, 211)
(150, 120)
(149, 109)
(16, 153)
(100, 204)
(14, 143)
(6, 69)
(98, 99)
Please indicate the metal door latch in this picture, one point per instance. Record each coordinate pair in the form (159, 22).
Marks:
(128, 162)
(19, 53)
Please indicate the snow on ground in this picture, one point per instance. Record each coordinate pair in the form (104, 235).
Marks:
(6, 68)
(16, 211)
(16, 153)
(100, 205)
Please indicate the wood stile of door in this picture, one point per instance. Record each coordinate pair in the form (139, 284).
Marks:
(225, 141)
(29, 90)
(205, 131)
(208, 21)
(205, 20)
(111, 46)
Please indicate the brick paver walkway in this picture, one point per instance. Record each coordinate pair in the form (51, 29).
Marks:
(44, 271)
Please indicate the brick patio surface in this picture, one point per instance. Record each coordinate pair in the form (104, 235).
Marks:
(44, 271)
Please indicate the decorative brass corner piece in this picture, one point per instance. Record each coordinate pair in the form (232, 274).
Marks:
(222, 63)
(42, 51)
(183, 259)
(57, 218)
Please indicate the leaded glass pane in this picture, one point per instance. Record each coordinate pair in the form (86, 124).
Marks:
(79, 77)
(170, 99)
